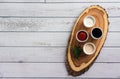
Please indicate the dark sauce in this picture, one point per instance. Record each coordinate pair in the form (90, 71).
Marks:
(97, 32)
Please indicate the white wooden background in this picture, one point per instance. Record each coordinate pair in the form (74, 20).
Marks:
(34, 35)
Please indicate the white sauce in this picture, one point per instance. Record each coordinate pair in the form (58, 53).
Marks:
(89, 48)
(89, 21)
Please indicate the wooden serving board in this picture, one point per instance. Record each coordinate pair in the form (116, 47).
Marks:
(77, 66)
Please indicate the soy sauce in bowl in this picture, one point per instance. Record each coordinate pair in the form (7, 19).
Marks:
(96, 33)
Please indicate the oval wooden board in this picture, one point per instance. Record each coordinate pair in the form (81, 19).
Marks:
(78, 66)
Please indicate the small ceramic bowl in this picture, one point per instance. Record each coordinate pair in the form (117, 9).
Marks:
(89, 48)
(96, 33)
(82, 36)
(89, 21)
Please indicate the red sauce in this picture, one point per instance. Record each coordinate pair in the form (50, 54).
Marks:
(82, 35)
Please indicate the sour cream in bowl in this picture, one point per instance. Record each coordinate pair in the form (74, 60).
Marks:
(89, 48)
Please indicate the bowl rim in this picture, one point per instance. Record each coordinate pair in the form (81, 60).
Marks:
(93, 47)
(90, 17)
(92, 34)
(85, 39)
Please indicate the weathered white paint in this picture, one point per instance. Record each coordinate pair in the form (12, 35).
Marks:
(53, 10)
(60, 1)
(83, 1)
(56, 70)
(21, 1)
(49, 55)
(36, 24)
(46, 24)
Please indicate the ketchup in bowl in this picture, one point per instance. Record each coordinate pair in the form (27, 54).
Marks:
(82, 36)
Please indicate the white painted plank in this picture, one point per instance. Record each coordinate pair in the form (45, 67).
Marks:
(82, 0)
(46, 39)
(36, 24)
(99, 70)
(21, 0)
(32, 54)
(49, 78)
(49, 55)
(52, 78)
(53, 10)
(46, 24)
